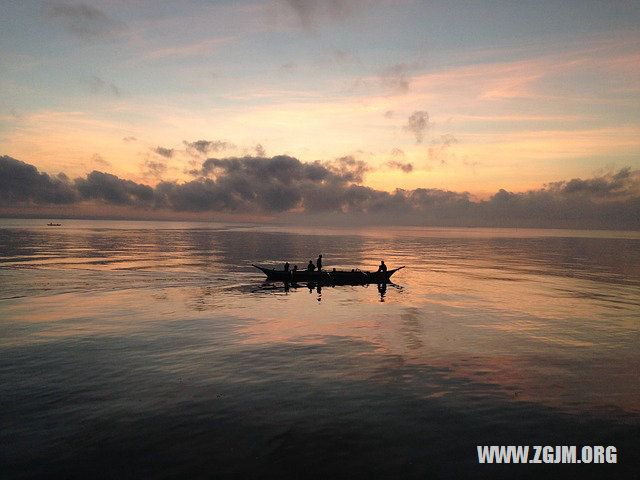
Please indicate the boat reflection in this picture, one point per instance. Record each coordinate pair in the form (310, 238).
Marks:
(318, 287)
(382, 290)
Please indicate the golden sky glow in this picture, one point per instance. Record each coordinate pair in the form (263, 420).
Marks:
(509, 95)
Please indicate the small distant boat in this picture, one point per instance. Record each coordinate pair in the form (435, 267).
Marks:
(51, 224)
(329, 277)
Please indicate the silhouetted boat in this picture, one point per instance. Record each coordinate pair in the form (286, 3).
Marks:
(51, 224)
(337, 277)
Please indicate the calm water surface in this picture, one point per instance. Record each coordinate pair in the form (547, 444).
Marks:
(155, 350)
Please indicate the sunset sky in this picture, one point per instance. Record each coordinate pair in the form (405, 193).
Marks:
(462, 96)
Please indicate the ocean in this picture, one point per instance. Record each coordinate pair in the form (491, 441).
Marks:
(155, 350)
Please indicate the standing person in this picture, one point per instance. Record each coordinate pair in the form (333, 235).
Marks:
(382, 267)
(319, 263)
(286, 266)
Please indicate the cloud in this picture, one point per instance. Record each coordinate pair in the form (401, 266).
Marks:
(609, 185)
(276, 184)
(438, 149)
(260, 151)
(99, 86)
(113, 190)
(207, 146)
(349, 169)
(418, 123)
(164, 152)
(612, 199)
(96, 158)
(310, 12)
(129, 139)
(405, 167)
(285, 185)
(155, 169)
(84, 21)
(22, 183)
(398, 162)
(396, 78)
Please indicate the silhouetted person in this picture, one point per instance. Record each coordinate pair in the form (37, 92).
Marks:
(382, 267)
(286, 266)
(319, 263)
(311, 267)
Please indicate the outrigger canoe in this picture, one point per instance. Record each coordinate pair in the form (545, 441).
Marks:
(328, 277)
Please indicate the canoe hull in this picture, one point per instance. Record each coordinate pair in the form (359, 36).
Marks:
(328, 278)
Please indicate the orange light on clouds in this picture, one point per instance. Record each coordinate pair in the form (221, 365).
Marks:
(496, 116)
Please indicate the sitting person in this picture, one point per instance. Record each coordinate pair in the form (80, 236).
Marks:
(382, 267)
(311, 267)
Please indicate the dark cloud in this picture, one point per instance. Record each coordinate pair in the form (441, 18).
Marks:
(310, 12)
(113, 190)
(207, 146)
(612, 200)
(609, 185)
(396, 78)
(418, 123)
(349, 169)
(274, 184)
(283, 184)
(22, 183)
(405, 167)
(84, 21)
(100, 87)
(164, 152)
(286, 169)
(155, 169)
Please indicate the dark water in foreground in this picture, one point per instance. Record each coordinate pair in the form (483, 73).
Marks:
(153, 350)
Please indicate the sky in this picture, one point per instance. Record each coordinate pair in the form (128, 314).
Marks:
(374, 107)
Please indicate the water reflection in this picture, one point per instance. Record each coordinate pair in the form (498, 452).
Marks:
(382, 290)
(319, 288)
(477, 331)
